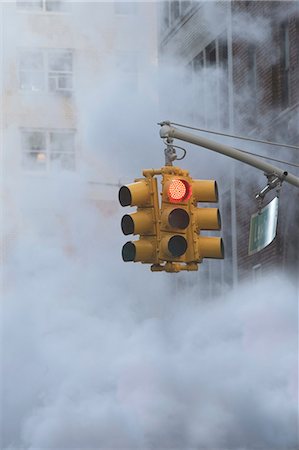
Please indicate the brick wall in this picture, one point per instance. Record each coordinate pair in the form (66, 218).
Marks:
(274, 120)
(269, 117)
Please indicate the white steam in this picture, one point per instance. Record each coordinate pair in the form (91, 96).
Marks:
(99, 354)
(102, 354)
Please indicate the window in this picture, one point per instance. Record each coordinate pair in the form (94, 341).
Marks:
(127, 66)
(211, 54)
(173, 10)
(60, 71)
(224, 89)
(46, 70)
(42, 5)
(32, 71)
(285, 65)
(252, 84)
(44, 150)
(211, 98)
(125, 8)
(185, 6)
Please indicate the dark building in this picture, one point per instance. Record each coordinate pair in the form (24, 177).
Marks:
(241, 59)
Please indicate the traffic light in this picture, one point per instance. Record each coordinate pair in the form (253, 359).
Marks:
(143, 193)
(175, 216)
(206, 219)
(181, 245)
(170, 231)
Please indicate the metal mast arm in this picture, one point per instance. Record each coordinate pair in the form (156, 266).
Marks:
(168, 131)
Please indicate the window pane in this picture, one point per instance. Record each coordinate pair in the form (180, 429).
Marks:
(198, 62)
(33, 140)
(64, 161)
(65, 82)
(58, 82)
(32, 80)
(211, 54)
(31, 60)
(30, 6)
(125, 7)
(35, 161)
(185, 5)
(61, 142)
(61, 61)
(55, 5)
(52, 83)
(174, 10)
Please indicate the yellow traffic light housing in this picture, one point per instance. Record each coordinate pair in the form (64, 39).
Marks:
(169, 231)
(175, 215)
(207, 219)
(143, 193)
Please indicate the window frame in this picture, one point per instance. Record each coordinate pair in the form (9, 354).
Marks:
(215, 48)
(132, 11)
(169, 18)
(285, 63)
(47, 150)
(47, 72)
(129, 73)
(41, 10)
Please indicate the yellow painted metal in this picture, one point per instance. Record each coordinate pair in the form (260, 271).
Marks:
(173, 237)
(174, 267)
(145, 250)
(207, 219)
(143, 193)
(143, 221)
(205, 191)
(140, 192)
(210, 247)
(169, 232)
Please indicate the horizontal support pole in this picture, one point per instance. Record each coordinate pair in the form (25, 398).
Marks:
(168, 131)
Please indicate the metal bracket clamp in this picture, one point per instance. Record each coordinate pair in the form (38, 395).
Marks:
(170, 152)
(274, 181)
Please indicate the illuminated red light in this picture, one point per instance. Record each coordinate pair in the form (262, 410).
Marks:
(178, 190)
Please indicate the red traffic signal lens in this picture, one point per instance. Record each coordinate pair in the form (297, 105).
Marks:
(178, 190)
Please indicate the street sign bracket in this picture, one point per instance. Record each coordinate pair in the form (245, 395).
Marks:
(274, 181)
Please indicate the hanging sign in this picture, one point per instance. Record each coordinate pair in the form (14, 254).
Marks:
(263, 227)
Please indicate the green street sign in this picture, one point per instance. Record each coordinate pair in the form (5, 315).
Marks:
(263, 227)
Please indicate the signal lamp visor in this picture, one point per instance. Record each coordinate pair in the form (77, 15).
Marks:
(178, 190)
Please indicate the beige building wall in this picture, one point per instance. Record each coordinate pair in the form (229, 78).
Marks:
(55, 55)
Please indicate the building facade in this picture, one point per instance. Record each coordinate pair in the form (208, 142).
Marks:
(60, 62)
(241, 60)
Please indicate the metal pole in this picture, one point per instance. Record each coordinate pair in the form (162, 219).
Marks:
(232, 128)
(167, 131)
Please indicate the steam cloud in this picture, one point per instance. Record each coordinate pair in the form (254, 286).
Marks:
(102, 354)
(98, 354)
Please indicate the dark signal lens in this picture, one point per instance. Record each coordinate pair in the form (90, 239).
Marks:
(127, 225)
(179, 218)
(177, 245)
(178, 190)
(124, 196)
(128, 252)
